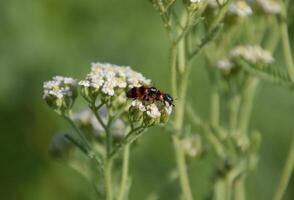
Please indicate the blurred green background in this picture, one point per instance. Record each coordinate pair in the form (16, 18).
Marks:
(42, 38)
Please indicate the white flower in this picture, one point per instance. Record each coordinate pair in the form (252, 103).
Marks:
(86, 118)
(60, 93)
(153, 111)
(168, 109)
(192, 145)
(195, 1)
(225, 65)
(108, 87)
(109, 77)
(138, 104)
(59, 87)
(253, 54)
(240, 8)
(85, 83)
(270, 6)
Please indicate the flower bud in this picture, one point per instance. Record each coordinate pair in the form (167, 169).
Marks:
(60, 93)
(136, 111)
(254, 55)
(192, 146)
(59, 146)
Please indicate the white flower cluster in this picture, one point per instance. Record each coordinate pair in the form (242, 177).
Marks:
(152, 110)
(225, 65)
(59, 87)
(192, 145)
(240, 8)
(270, 6)
(195, 1)
(106, 78)
(60, 93)
(252, 54)
(215, 3)
(86, 118)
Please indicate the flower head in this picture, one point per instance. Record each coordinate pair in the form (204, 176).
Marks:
(269, 6)
(150, 113)
(225, 65)
(60, 93)
(252, 54)
(192, 146)
(110, 80)
(240, 8)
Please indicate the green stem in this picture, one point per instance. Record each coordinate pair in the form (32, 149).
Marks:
(182, 167)
(128, 140)
(95, 111)
(229, 185)
(179, 119)
(125, 169)
(286, 43)
(220, 16)
(173, 68)
(107, 175)
(246, 107)
(220, 189)
(286, 174)
(234, 111)
(80, 134)
(240, 190)
(108, 139)
(215, 107)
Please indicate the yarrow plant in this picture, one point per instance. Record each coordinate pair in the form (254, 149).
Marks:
(111, 122)
(236, 40)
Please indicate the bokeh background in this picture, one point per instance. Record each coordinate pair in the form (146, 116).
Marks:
(42, 38)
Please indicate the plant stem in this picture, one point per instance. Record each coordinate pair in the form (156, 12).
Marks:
(240, 190)
(80, 134)
(125, 169)
(221, 15)
(286, 43)
(246, 108)
(95, 111)
(182, 167)
(107, 175)
(108, 139)
(220, 189)
(234, 110)
(173, 68)
(214, 112)
(286, 174)
(179, 118)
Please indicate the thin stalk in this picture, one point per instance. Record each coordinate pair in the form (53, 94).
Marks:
(234, 111)
(179, 119)
(246, 107)
(182, 167)
(286, 174)
(286, 43)
(128, 140)
(220, 16)
(173, 68)
(108, 139)
(80, 134)
(215, 107)
(107, 175)
(229, 186)
(95, 111)
(240, 190)
(125, 171)
(274, 37)
(220, 189)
